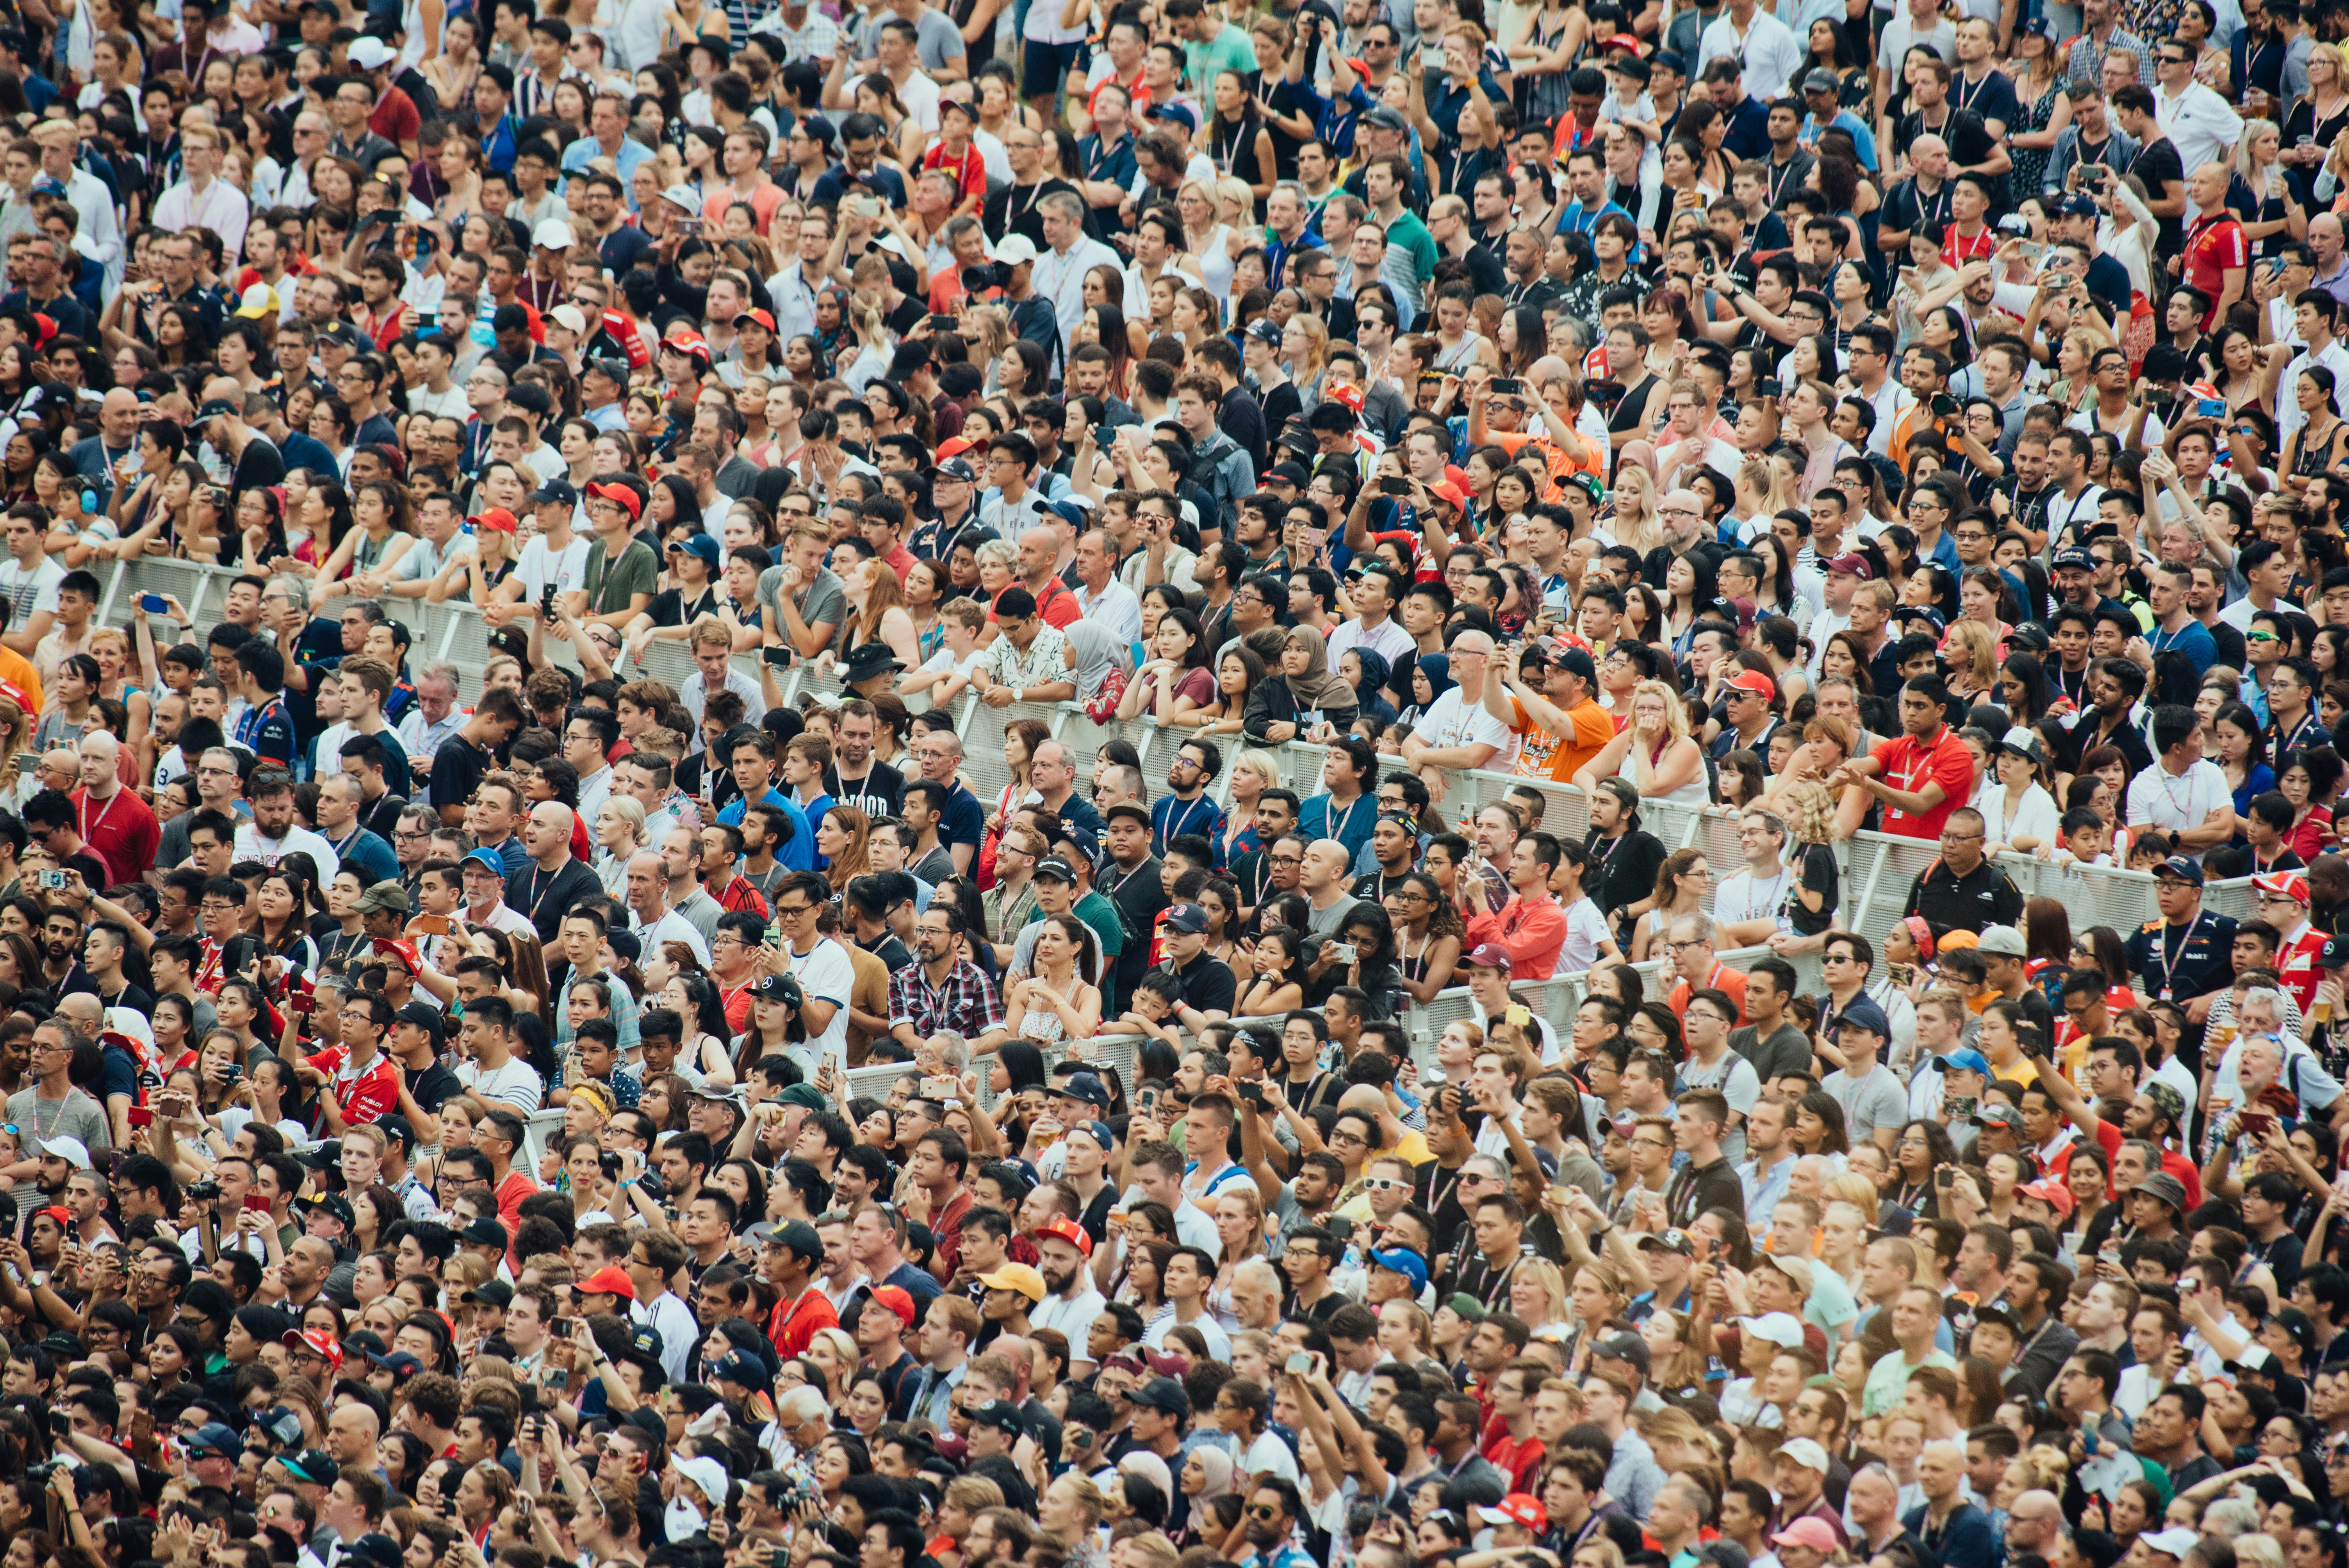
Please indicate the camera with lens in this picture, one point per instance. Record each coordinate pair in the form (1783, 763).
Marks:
(611, 1164)
(651, 1185)
(204, 1191)
(40, 1473)
(991, 275)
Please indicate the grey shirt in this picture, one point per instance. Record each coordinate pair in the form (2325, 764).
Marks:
(1326, 922)
(702, 911)
(936, 39)
(824, 599)
(1869, 1103)
(76, 1116)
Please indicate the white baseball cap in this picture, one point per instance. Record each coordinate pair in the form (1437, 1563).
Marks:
(72, 1150)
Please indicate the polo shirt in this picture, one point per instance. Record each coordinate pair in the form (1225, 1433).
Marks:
(1984, 896)
(2213, 246)
(1207, 983)
(1909, 764)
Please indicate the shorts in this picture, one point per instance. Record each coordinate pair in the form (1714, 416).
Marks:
(1044, 65)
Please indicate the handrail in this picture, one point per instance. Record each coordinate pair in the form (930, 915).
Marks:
(1878, 868)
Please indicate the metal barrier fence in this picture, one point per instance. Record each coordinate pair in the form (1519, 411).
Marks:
(1878, 869)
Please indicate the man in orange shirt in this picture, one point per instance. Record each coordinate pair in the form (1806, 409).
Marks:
(1531, 927)
(788, 1261)
(1562, 726)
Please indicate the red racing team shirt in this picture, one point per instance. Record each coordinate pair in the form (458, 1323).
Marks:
(1910, 764)
(2214, 245)
(362, 1096)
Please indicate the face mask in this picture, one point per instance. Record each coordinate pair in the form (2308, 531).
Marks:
(682, 1519)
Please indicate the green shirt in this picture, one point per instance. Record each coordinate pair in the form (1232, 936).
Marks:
(1101, 914)
(634, 572)
(1228, 51)
(1411, 234)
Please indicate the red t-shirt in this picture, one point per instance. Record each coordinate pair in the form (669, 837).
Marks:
(793, 1326)
(969, 172)
(1957, 250)
(2109, 1139)
(121, 830)
(394, 117)
(1910, 764)
(363, 1097)
(2214, 245)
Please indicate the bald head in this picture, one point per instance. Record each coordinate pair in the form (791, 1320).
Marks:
(85, 1009)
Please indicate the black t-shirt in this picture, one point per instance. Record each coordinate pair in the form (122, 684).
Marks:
(545, 899)
(1208, 985)
(1819, 876)
(260, 465)
(1013, 211)
(433, 1087)
(668, 607)
(877, 794)
(457, 768)
(1969, 139)
(2157, 164)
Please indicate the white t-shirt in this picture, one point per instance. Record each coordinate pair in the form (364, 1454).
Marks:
(1452, 720)
(30, 593)
(2159, 800)
(1742, 896)
(942, 663)
(517, 1083)
(1220, 1343)
(1584, 929)
(539, 566)
(826, 975)
(252, 846)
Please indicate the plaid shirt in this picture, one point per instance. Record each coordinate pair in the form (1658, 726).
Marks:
(967, 1003)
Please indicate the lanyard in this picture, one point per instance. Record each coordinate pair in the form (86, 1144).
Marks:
(2168, 961)
(1337, 822)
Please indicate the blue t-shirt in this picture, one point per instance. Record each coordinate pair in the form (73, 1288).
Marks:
(799, 855)
(367, 854)
(2195, 642)
(1353, 823)
(965, 821)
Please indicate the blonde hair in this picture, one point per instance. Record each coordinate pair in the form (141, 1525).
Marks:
(1232, 187)
(2255, 128)
(1808, 808)
(632, 811)
(1639, 529)
(1551, 1280)
(1982, 656)
(1319, 336)
(1675, 713)
(1261, 763)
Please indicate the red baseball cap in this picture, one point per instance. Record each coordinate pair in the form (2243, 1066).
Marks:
(610, 1280)
(621, 496)
(317, 1341)
(497, 518)
(2283, 884)
(1518, 1508)
(896, 1300)
(1068, 1231)
(1755, 681)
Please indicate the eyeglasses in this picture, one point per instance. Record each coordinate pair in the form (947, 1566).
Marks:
(1956, 838)
(1263, 1511)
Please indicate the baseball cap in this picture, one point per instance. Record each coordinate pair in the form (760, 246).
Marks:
(1754, 681)
(1518, 1508)
(1782, 1329)
(2075, 556)
(2175, 1542)
(2283, 884)
(1068, 1231)
(1853, 563)
(1964, 1061)
(1189, 918)
(1164, 1396)
(610, 1280)
(1822, 82)
(1021, 1277)
(70, 1150)
(1490, 956)
(2003, 939)
(1865, 1014)
(896, 1300)
(2180, 867)
(383, 895)
(1805, 1451)
(1404, 1262)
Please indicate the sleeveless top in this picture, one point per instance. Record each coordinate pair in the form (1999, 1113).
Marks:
(1697, 792)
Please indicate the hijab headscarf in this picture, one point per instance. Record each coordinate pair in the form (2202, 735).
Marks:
(1376, 672)
(1438, 669)
(1217, 1464)
(1098, 651)
(1320, 688)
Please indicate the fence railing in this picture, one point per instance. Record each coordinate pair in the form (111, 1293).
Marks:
(1878, 869)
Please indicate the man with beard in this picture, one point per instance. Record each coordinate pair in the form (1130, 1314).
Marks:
(1272, 1512)
(856, 776)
